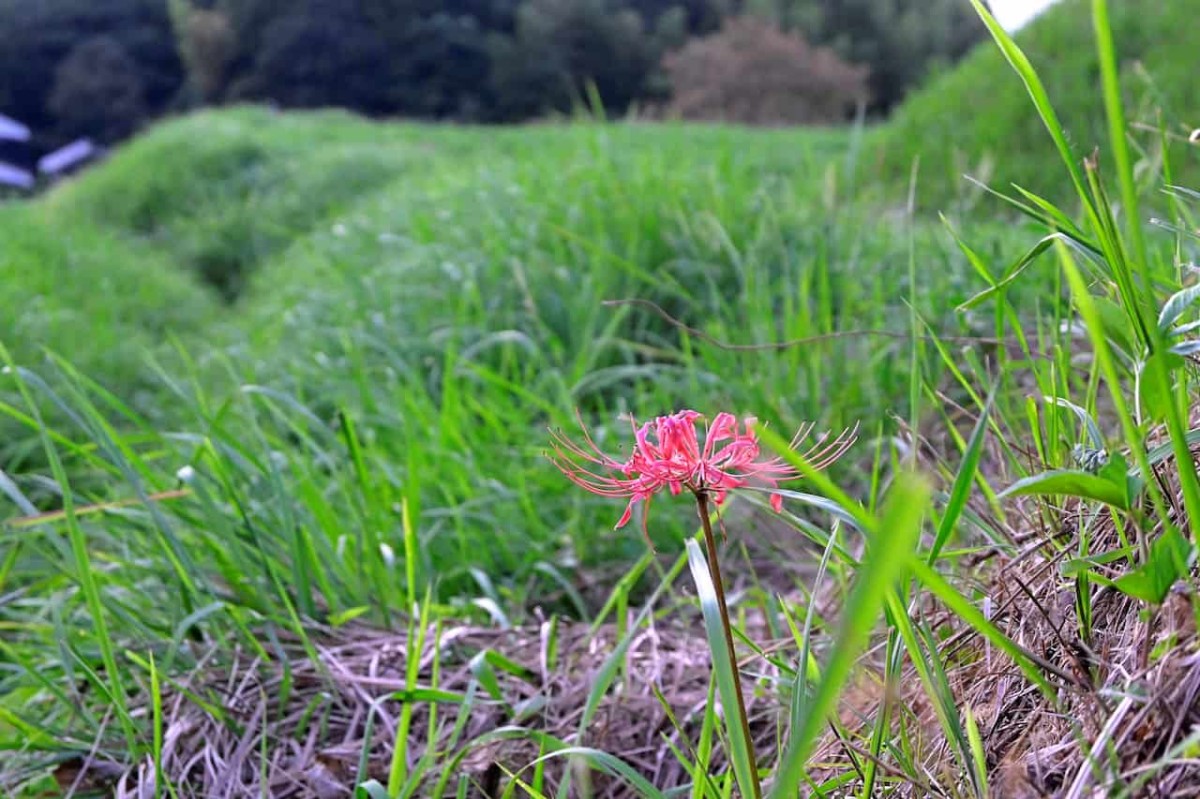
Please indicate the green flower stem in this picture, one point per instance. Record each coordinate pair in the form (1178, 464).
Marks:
(710, 543)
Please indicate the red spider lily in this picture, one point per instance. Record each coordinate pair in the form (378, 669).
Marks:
(667, 454)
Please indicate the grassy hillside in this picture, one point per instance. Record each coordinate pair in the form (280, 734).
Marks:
(444, 288)
(102, 301)
(977, 120)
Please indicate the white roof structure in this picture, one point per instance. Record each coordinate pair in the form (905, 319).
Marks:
(14, 177)
(12, 130)
(66, 157)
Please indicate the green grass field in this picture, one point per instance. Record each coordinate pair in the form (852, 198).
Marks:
(277, 405)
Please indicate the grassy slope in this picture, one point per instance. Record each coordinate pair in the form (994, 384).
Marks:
(450, 300)
(405, 340)
(977, 120)
(92, 296)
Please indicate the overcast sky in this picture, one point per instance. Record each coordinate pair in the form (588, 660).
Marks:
(1014, 13)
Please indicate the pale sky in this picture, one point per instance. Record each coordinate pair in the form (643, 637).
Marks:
(1012, 14)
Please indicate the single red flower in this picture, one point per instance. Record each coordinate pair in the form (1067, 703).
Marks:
(667, 454)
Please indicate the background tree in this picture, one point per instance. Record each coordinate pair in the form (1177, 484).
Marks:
(561, 47)
(37, 36)
(98, 91)
(464, 60)
(442, 69)
(752, 72)
(321, 53)
(207, 46)
(901, 41)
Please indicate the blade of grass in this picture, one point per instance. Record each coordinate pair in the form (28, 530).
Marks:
(741, 748)
(893, 539)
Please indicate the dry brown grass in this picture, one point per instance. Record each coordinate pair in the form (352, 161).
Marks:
(312, 725)
(1126, 698)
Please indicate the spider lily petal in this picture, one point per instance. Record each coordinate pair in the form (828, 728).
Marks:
(667, 454)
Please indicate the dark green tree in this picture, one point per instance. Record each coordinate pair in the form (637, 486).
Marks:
(35, 37)
(560, 48)
(98, 91)
(321, 53)
(442, 70)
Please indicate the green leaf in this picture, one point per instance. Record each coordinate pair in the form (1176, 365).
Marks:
(962, 483)
(890, 551)
(1093, 429)
(498, 661)
(609, 764)
(1186, 348)
(966, 610)
(1037, 92)
(1072, 483)
(1116, 470)
(1177, 306)
(347, 615)
(486, 676)
(1075, 566)
(371, 789)
(1115, 323)
(1011, 273)
(1155, 399)
(1168, 561)
(434, 695)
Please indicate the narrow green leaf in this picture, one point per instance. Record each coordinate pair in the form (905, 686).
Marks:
(1074, 566)
(482, 670)
(1095, 438)
(423, 694)
(1037, 92)
(1154, 398)
(965, 610)
(1114, 107)
(1116, 324)
(1168, 561)
(611, 765)
(741, 754)
(1011, 273)
(893, 539)
(962, 483)
(347, 615)
(979, 758)
(1177, 306)
(1072, 483)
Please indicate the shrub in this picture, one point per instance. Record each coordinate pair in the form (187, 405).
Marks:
(900, 41)
(754, 73)
(208, 46)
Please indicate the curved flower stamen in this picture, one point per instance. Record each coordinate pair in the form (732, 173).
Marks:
(667, 454)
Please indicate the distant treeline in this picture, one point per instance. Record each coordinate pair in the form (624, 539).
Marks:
(102, 68)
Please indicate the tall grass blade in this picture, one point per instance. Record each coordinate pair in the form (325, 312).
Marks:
(893, 539)
(741, 754)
